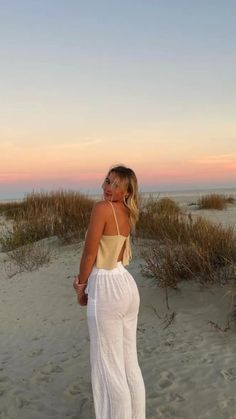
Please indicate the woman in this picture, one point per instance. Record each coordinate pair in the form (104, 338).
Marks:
(113, 300)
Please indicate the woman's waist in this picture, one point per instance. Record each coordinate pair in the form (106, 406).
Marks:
(118, 268)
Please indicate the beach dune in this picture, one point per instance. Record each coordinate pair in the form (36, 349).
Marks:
(189, 365)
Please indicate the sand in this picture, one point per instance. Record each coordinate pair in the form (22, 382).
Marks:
(189, 367)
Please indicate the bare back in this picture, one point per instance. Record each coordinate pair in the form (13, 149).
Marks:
(122, 227)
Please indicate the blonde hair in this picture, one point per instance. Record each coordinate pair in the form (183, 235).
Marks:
(128, 177)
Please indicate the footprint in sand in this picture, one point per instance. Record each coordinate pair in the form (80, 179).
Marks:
(208, 359)
(51, 368)
(187, 358)
(229, 374)
(41, 378)
(45, 374)
(175, 397)
(37, 352)
(73, 390)
(65, 320)
(35, 338)
(166, 379)
(227, 403)
(21, 402)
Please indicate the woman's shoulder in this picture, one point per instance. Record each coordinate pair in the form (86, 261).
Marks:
(101, 206)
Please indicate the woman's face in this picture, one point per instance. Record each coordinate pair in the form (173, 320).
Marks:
(113, 188)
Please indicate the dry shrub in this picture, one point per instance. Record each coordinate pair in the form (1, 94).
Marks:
(232, 291)
(230, 199)
(186, 249)
(74, 217)
(172, 263)
(28, 258)
(164, 206)
(218, 242)
(158, 216)
(41, 215)
(215, 201)
(161, 226)
(12, 238)
(10, 209)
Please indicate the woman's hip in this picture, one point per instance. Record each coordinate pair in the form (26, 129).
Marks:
(114, 286)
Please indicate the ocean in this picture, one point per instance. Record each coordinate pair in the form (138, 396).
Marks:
(175, 194)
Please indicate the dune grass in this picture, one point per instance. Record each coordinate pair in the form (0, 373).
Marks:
(215, 201)
(63, 213)
(185, 248)
(10, 209)
(156, 218)
(165, 206)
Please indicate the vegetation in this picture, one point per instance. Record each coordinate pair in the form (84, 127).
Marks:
(185, 249)
(215, 201)
(64, 214)
(27, 258)
(165, 206)
(10, 209)
(41, 215)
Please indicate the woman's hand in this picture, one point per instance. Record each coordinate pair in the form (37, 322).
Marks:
(82, 297)
(76, 282)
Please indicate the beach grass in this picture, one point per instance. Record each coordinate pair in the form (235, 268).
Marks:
(10, 209)
(215, 201)
(165, 206)
(64, 214)
(185, 248)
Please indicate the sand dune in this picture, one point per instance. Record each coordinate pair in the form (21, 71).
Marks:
(189, 367)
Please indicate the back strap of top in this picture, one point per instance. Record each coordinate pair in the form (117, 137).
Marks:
(113, 209)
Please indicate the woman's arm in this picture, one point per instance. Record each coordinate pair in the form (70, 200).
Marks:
(94, 233)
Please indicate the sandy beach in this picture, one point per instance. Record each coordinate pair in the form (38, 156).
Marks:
(189, 367)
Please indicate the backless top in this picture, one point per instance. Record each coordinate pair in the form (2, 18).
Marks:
(110, 248)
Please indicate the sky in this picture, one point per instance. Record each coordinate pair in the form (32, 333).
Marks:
(89, 84)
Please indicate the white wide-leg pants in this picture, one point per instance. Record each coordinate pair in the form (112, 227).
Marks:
(117, 383)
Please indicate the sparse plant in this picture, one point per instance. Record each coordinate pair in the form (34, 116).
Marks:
(215, 201)
(161, 206)
(230, 199)
(187, 249)
(161, 219)
(27, 258)
(11, 209)
(41, 215)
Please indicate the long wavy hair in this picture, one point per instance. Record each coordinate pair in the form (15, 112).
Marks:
(129, 180)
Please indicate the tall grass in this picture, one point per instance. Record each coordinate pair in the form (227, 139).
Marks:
(10, 209)
(156, 218)
(165, 206)
(215, 201)
(40, 215)
(185, 248)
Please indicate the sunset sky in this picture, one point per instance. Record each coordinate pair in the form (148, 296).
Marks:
(88, 84)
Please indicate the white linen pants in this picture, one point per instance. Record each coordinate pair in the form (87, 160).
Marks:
(117, 383)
